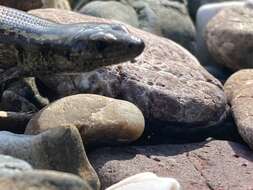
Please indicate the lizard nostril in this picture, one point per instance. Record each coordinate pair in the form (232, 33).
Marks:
(130, 46)
(101, 45)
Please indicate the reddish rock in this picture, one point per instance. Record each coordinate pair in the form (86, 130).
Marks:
(213, 165)
(166, 82)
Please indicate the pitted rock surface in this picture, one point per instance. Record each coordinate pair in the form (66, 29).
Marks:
(229, 35)
(166, 82)
(239, 91)
(207, 165)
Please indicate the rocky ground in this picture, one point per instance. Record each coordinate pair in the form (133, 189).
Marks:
(181, 110)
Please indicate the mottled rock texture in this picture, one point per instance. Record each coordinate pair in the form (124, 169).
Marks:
(240, 95)
(100, 120)
(204, 15)
(206, 166)
(229, 35)
(166, 82)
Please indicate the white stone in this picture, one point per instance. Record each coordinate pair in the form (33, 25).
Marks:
(146, 181)
(249, 2)
(204, 14)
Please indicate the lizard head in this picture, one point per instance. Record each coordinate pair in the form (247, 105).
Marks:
(105, 44)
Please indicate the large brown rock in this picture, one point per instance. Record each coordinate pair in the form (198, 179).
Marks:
(166, 82)
(100, 120)
(239, 91)
(213, 165)
(229, 35)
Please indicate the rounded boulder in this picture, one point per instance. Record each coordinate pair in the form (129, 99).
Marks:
(100, 120)
(229, 35)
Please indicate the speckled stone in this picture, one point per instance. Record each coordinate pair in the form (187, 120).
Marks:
(165, 82)
(228, 37)
(207, 165)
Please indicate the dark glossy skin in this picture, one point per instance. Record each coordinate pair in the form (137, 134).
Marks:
(22, 4)
(45, 47)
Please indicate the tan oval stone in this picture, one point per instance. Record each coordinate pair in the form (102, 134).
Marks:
(238, 88)
(98, 118)
(236, 82)
(229, 35)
